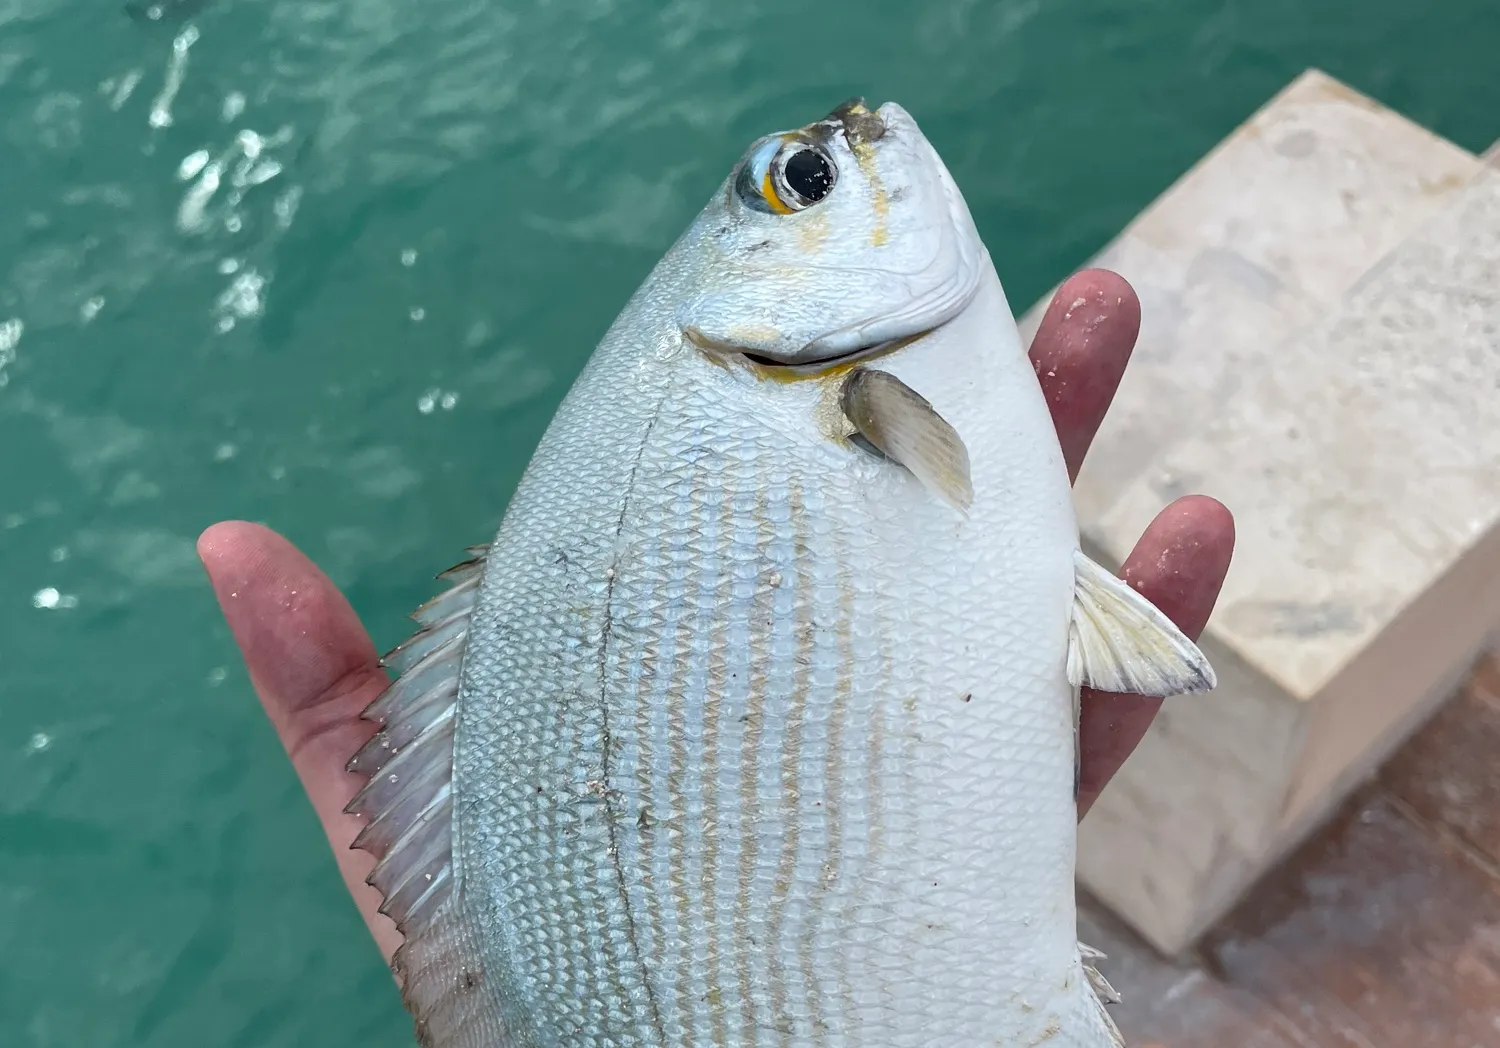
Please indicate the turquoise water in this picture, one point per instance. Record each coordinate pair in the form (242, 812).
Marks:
(330, 265)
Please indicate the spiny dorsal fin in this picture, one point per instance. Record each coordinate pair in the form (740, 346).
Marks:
(408, 806)
(902, 425)
(1121, 642)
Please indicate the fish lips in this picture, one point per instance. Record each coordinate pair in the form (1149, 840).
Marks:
(787, 334)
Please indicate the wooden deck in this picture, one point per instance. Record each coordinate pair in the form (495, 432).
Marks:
(1383, 931)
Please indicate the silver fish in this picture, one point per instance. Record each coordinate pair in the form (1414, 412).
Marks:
(756, 723)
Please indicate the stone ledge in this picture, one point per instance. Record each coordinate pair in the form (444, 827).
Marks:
(1319, 349)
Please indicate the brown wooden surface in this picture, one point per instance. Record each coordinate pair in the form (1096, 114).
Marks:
(1383, 931)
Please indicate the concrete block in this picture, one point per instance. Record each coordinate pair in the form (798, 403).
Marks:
(1321, 350)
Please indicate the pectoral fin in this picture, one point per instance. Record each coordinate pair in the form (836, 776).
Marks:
(1121, 642)
(899, 422)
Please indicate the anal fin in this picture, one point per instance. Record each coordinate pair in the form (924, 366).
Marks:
(1101, 987)
(1122, 642)
(408, 804)
(1101, 993)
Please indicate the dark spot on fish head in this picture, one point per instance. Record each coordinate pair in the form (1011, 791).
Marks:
(860, 124)
(761, 246)
(468, 978)
(968, 696)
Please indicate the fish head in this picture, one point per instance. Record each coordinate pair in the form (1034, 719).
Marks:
(828, 242)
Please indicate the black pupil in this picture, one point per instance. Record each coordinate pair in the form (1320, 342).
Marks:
(808, 174)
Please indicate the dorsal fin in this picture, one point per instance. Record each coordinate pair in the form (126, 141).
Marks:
(408, 805)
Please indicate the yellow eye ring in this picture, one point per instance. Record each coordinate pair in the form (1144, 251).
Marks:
(771, 197)
(786, 173)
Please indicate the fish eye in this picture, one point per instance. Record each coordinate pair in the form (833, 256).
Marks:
(808, 174)
(783, 175)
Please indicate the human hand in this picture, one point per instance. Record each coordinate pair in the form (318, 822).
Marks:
(1080, 351)
(316, 669)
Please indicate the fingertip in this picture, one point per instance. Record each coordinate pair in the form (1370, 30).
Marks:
(299, 637)
(1087, 299)
(228, 536)
(1217, 520)
(1179, 564)
(1107, 288)
(238, 551)
(1080, 352)
(315, 670)
(1214, 526)
(1204, 516)
(1182, 559)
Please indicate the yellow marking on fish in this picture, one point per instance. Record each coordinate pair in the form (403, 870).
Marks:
(749, 334)
(677, 762)
(812, 232)
(719, 355)
(833, 819)
(644, 785)
(784, 375)
(875, 766)
(762, 625)
(713, 713)
(880, 200)
(804, 632)
(828, 413)
(768, 191)
(754, 719)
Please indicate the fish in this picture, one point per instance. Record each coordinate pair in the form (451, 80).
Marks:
(755, 724)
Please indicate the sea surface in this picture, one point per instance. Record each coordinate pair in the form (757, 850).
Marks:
(330, 265)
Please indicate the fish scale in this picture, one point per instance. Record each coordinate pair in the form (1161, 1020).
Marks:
(741, 725)
(763, 737)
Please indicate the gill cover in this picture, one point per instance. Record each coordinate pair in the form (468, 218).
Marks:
(831, 239)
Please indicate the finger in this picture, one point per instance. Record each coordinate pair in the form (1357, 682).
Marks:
(1178, 564)
(314, 668)
(1080, 351)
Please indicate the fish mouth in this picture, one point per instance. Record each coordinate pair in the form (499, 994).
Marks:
(770, 366)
